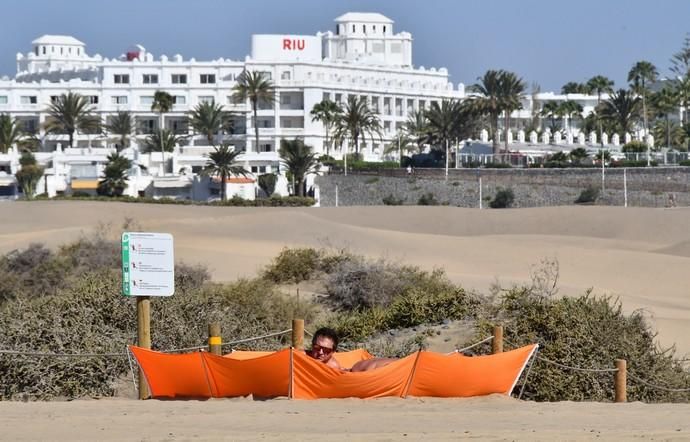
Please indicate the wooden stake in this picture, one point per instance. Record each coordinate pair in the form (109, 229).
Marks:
(621, 381)
(298, 334)
(143, 337)
(497, 342)
(214, 339)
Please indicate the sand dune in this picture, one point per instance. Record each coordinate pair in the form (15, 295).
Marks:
(638, 254)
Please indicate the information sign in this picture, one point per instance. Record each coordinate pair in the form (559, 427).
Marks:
(148, 264)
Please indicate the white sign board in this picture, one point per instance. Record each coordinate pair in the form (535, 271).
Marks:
(148, 264)
(286, 47)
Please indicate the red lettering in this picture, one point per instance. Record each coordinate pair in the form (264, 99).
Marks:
(300, 44)
(287, 44)
(293, 45)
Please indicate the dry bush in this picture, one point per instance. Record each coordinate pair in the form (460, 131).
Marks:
(588, 332)
(88, 314)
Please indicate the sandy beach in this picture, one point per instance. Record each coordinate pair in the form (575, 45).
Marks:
(639, 255)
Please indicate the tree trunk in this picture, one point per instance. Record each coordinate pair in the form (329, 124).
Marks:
(494, 129)
(222, 186)
(328, 146)
(668, 132)
(506, 129)
(71, 138)
(256, 126)
(298, 184)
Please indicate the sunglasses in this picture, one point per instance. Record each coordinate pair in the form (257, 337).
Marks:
(317, 348)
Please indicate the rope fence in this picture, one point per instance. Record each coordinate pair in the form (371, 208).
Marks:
(497, 339)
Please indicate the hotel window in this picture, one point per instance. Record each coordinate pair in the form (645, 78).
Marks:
(364, 28)
(384, 29)
(284, 99)
(28, 99)
(36, 50)
(285, 75)
(54, 98)
(121, 78)
(119, 99)
(353, 28)
(179, 78)
(44, 50)
(93, 99)
(206, 99)
(150, 78)
(3, 99)
(146, 100)
(179, 99)
(208, 78)
(78, 51)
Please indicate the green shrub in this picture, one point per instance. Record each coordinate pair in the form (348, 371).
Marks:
(632, 163)
(588, 332)
(588, 195)
(293, 265)
(267, 183)
(684, 163)
(390, 200)
(497, 166)
(504, 199)
(634, 147)
(427, 199)
(81, 194)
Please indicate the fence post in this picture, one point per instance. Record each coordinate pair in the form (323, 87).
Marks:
(625, 186)
(621, 381)
(214, 339)
(497, 342)
(298, 334)
(143, 338)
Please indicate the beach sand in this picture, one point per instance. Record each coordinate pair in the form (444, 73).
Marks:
(640, 255)
(487, 418)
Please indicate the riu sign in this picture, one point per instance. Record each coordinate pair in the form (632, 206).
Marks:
(293, 44)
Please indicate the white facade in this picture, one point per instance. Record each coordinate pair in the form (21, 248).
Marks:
(363, 57)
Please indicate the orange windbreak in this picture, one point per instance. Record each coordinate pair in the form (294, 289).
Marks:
(174, 376)
(456, 375)
(345, 359)
(271, 374)
(266, 376)
(314, 379)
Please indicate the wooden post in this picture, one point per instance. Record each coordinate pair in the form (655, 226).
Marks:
(497, 342)
(298, 334)
(143, 337)
(621, 380)
(214, 339)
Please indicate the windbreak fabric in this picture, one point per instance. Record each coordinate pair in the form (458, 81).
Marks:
(346, 359)
(295, 374)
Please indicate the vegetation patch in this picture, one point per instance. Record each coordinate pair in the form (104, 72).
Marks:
(504, 199)
(588, 195)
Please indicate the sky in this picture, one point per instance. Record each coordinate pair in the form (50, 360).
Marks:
(548, 43)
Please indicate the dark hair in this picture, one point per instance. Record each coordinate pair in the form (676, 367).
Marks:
(326, 332)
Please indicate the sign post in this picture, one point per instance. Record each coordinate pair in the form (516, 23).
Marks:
(148, 269)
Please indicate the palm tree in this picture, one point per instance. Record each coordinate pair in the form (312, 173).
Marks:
(162, 103)
(570, 109)
(417, 128)
(327, 112)
(163, 139)
(256, 87)
(10, 132)
(223, 163)
(122, 125)
(115, 178)
(443, 124)
(663, 103)
(70, 113)
(641, 73)
(512, 91)
(209, 119)
(401, 143)
(357, 120)
(29, 175)
(299, 160)
(551, 110)
(600, 85)
(622, 107)
(488, 100)
(573, 87)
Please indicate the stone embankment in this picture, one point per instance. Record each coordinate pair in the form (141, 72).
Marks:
(646, 187)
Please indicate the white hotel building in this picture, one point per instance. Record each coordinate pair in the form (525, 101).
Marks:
(362, 56)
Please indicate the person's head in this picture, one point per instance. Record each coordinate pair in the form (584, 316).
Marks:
(323, 344)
